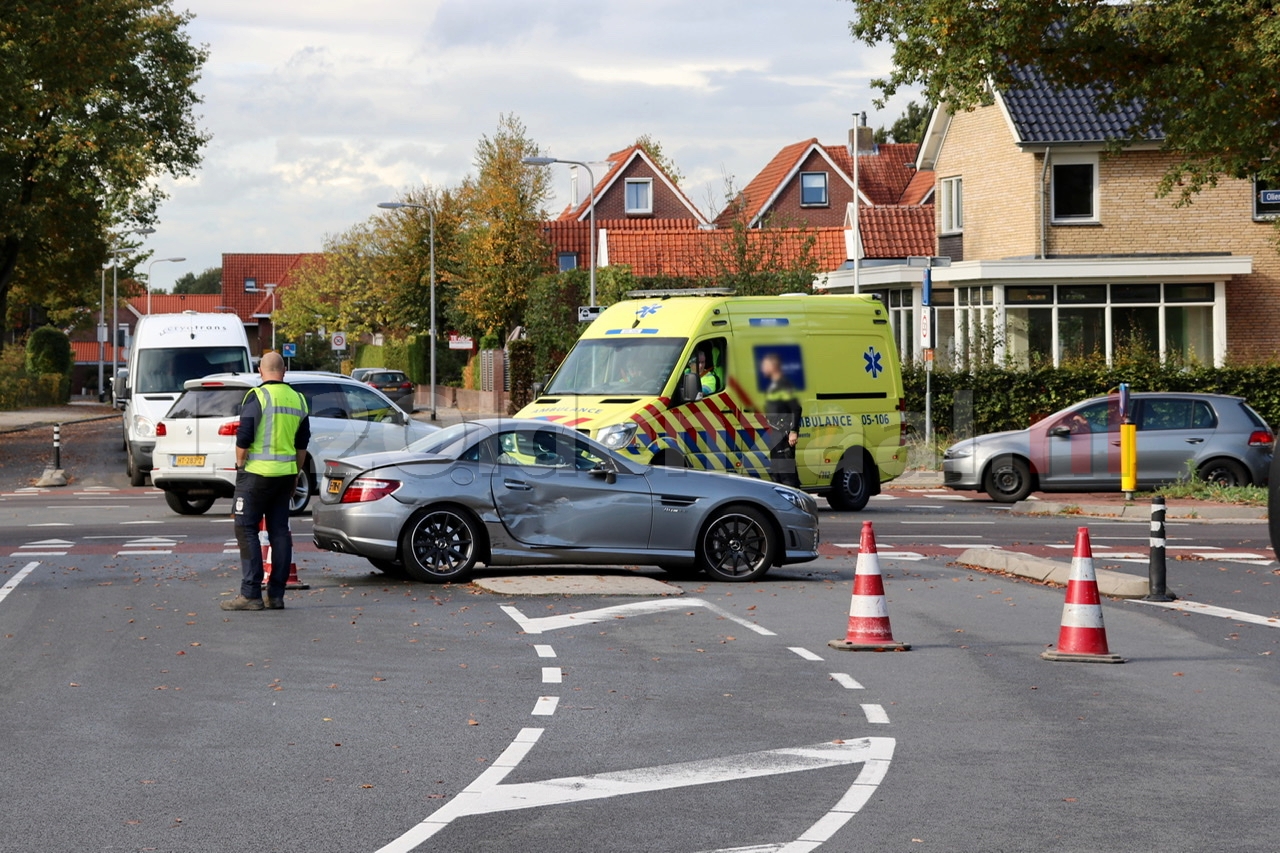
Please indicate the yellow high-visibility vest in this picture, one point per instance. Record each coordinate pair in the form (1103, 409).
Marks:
(273, 452)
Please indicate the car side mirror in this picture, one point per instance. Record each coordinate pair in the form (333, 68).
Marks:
(690, 387)
(1062, 431)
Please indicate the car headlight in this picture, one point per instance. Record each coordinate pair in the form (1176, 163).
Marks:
(958, 452)
(791, 496)
(616, 436)
(143, 427)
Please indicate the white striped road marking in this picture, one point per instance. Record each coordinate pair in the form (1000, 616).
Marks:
(804, 653)
(888, 555)
(544, 651)
(141, 522)
(17, 579)
(1210, 610)
(846, 681)
(487, 796)
(552, 675)
(542, 624)
(925, 506)
(52, 524)
(936, 521)
(875, 714)
(545, 706)
(43, 548)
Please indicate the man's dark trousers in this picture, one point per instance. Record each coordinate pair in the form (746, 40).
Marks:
(258, 497)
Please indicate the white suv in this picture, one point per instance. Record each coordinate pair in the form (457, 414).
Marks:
(195, 453)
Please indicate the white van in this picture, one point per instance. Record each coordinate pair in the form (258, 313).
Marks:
(169, 349)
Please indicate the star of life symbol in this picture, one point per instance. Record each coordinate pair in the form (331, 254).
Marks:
(645, 310)
(873, 366)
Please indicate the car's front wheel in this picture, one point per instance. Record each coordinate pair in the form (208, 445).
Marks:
(1008, 480)
(737, 545)
(1224, 472)
(440, 545)
(183, 505)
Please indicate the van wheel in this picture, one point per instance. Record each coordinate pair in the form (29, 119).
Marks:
(303, 489)
(180, 504)
(850, 489)
(137, 477)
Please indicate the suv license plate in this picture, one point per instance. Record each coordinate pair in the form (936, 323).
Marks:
(188, 461)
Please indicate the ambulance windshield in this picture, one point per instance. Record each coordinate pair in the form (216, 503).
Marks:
(622, 365)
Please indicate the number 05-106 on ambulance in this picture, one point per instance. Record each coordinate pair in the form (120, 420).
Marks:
(685, 381)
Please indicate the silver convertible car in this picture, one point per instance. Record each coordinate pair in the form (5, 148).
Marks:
(525, 492)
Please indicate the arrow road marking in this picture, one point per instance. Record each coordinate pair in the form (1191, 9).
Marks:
(17, 579)
(542, 624)
(486, 795)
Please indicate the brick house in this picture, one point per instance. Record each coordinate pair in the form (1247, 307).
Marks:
(1062, 250)
(248, 282)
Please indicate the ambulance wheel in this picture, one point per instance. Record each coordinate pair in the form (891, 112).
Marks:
(850, 490)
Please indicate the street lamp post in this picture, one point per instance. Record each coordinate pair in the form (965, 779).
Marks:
(271, 288)
(115, 301)
(149, 266)
(431, 239)
(591, 210)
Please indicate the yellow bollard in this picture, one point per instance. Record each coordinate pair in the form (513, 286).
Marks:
(1128, 459)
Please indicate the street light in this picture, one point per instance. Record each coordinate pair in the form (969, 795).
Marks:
(431, 220)
(149, 266)
(591, 241)
(115, 300)
(271, 288)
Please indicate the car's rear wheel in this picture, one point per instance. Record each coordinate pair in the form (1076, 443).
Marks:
(1224, 472)
(303, 489)
(440, 545)
(388, 567)
(737, 545)
(137, 477)
(183, 505)
(1008, 480)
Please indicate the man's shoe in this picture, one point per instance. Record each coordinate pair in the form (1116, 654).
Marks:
(274, 603)
(242, 603)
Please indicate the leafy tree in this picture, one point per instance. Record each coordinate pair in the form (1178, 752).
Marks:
(653, 148)
(49, 352)
(209, 281)
(98, 101)
(909, 126)
(1202, 72)
(502, 246)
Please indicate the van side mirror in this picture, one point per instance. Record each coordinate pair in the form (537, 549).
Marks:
(690, 388)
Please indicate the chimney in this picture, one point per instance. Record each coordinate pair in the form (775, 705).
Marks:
(861, 138)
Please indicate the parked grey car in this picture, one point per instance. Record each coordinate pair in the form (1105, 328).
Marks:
(1219, 438)
(528, 492)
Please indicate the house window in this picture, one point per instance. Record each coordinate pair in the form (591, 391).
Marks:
(1074, 188)
(813, 189)
(250, 285)
(951, 197)
(1266, 200)
(639, 196)
(568, 261)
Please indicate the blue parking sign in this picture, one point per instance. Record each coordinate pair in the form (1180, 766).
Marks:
(289, 350)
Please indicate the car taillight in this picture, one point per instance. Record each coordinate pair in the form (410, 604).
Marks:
(160, 430)
(364, 489)
(229, 428)
(1261, 438)
(406, 385)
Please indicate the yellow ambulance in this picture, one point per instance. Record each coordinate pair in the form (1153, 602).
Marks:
(675, 379)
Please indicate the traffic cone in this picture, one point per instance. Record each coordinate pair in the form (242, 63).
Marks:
(1082, 637)
(294, 582)
(869, 629)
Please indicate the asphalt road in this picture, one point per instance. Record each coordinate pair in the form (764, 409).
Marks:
(374, 714)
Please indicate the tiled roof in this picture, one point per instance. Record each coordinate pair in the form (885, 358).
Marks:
(1045, 114)
(919, 188)
(175, 303)
(264, 269)
(897, 231)
(761, 188)
(883, 175)
(693, 252)
(618, 162)
(86, 352)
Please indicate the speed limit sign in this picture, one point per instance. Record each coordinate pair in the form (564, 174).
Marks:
(339, 340)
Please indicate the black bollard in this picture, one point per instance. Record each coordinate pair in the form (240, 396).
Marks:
(57, 446)
(1156, 590)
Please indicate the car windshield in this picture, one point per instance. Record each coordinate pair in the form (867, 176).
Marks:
(208, 403)
(164, 370)
(450, 441)
(622, 365)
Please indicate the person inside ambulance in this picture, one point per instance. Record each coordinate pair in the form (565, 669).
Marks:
(705, 361)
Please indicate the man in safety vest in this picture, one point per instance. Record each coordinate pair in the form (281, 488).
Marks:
(271, 453)
(783, 412)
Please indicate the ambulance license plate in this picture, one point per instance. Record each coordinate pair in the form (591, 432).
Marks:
(335, 486)
(188, 461)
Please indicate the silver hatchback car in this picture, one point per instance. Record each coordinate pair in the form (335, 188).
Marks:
(529, 492)
(1219, 438)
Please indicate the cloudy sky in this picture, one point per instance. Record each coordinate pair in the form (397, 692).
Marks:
(319, 109)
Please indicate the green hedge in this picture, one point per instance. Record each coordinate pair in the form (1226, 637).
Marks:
(20, 389)
(991, 399)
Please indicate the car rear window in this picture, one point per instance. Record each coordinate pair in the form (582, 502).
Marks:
(1254, 417)
(208, 403)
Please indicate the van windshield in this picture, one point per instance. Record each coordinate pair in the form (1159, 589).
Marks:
(623, 365)
(164, 370)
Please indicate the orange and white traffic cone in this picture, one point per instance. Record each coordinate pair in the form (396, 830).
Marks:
(294, 582)
(869, 629)
(1082, 637)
